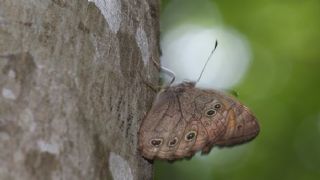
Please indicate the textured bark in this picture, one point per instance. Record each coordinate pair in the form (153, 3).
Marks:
(72, 98)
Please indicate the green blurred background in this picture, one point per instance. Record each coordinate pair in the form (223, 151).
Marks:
(281, 86)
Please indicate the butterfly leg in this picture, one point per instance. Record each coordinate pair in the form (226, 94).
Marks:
(165, 70)
(152, 86)
(206, 150)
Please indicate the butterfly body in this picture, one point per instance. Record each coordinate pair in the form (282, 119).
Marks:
(184, 119)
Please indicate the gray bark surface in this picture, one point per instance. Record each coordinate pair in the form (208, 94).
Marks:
(71, 91)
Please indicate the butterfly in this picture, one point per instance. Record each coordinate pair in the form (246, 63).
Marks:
(185, 119)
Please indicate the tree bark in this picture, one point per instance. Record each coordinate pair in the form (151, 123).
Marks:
(72, 95)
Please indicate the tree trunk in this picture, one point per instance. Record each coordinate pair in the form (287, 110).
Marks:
(72, 95)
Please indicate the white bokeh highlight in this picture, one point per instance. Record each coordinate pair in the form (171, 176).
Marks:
(186, 48)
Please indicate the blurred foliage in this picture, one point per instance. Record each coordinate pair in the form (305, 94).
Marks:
(282, 87)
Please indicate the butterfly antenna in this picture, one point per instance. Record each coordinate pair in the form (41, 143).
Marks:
(205, 65)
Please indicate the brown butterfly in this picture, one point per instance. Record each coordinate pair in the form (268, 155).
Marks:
(184, 119)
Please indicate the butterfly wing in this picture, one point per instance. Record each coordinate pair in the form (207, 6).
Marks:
(184, 119)
(162, 123)
(171, 129)
(242, 127)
